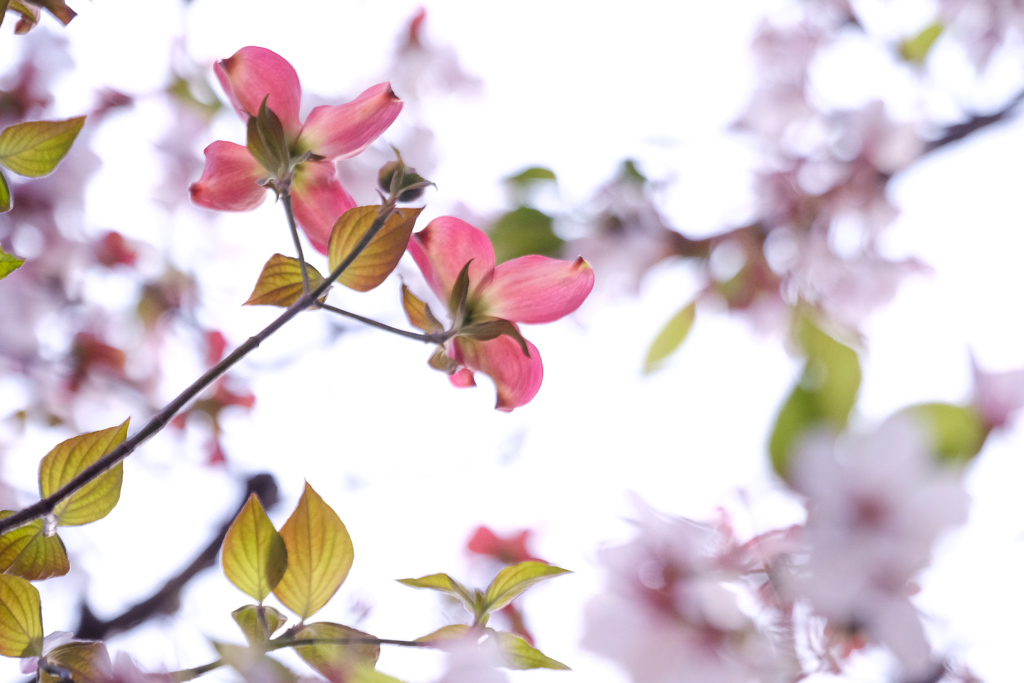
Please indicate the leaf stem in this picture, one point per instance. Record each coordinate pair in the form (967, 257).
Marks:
(286, 200)
(167, 413)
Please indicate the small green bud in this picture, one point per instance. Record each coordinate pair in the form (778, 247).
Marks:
(398, 180)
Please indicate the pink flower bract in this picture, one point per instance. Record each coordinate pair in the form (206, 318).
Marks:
(529, 289)
(230, 180)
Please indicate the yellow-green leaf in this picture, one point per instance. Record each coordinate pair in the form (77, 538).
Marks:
(88, 662)
(254, 665)
(8, 263)
(444, 584)
(97, 498)
(254, 556)
(915, 50)
(449, 632)
(35, 148)
(419, 313)
(5, 195)
(21, 622)
(519, 654)
(258, 622)
(29, 553)
(512, 581)
(319, 555)
(280, 283)
(957, 432)
(367, 674)
(381, 255)
(671, 336)
(336, 661)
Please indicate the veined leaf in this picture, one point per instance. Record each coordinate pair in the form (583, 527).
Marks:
(88, 662)
(280, 282)
(5, 192)
(35, 148)
(449, 632)
(336, 661)
(444, 584)
(258, 622)
(419, 313)
(381, 255)
(29, 553)
(670, 338)
(9, 263)
(254, 556)
(97, 498)
(21, 621)
(319, 555)
(519, 654)
(512, 581)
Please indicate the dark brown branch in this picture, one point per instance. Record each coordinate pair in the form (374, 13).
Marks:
(961, 130)
(46, 506)
(167, 599)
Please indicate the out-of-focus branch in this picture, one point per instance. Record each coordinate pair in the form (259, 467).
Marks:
(167, 599)
(972, 125)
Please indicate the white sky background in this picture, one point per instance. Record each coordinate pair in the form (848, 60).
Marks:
(411, 464)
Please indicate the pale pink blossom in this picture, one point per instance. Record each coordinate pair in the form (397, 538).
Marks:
(470, 661)
(233, 180)
(998, 396)
(876, 505)
(529, 289)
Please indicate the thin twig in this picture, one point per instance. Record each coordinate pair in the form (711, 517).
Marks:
(419, 336)
(286, 199)
(972, 125)
(164, 416)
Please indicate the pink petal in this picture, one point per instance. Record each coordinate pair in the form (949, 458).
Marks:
(443, 247)
(229, 179)
(319, 200)
(462, 379)
(516, 376)
(345, 130)
(537, 289)
(251, 74)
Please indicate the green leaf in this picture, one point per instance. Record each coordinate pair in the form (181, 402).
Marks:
(492, 329)
(522, 231)
(29, 553)
(957, 432)
(915, 50)
(336, 660)
(419, 313)
(532, 175)
(21, 621)
(266, 142)
(512, 581)
(319, 555)
(460, 293)
(449, 632)
(444, 584)
(366, 674)
(258, 622)
(670, 338)
(381, 255)
(280, 282)
(86, 661)
(97, 498)
(3, 10)
(825, 394)
(9, 263)
(519, 654)
(254, 556)
(35, 148)
(5, 194)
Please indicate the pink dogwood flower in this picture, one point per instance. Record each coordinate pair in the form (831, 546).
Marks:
(529, 289)
(234, 180)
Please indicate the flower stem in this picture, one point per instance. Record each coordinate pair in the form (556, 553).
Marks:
(286, 200)
(157, 423)
(419, 336)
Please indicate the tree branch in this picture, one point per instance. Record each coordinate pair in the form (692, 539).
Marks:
(167, 599)
(164, 416)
